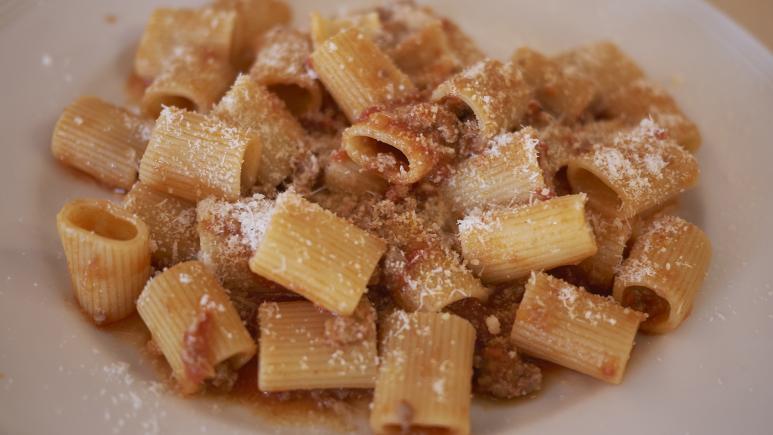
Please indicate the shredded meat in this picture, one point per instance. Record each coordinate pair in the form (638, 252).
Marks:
(501, 373)
(196, 354)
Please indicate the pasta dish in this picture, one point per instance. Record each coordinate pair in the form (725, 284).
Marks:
(375, 205)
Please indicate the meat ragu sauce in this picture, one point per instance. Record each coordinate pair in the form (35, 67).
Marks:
(333, 408)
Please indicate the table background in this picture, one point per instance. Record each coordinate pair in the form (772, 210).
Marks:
(756, 16)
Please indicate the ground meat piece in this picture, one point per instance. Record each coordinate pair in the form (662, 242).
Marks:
(501, 373)
(361, 325)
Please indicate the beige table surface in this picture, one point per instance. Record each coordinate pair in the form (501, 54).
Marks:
(756, 16)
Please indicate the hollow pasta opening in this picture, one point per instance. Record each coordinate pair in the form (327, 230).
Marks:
(103, 223)
(460, 108)
(600, 196)
(645, 300)
(381, 156)
(154, 106)
(296, 98)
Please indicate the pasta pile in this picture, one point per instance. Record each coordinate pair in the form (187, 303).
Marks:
(377, 205)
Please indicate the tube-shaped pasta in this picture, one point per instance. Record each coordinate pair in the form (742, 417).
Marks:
(230, 233)
(421, 270)
(612, 235)
(253, 18)
(603, 64)
(641, 99)
(358, 74)
(495, 94)
(345, 176)
(566, 325)
(256, 111)
(424, 381)
(639, 170)
(310, 251)
(103, 140)
(108, 256)
(426, 56)
(323, 28)
(664, 272)
(195, 326)
(402, 145)
(169, 29)
(503, 245)
(193, 79)
(193, 156)
(281, 67)
(561, 91)
(507, 173)
(304, 347)
(171, 222)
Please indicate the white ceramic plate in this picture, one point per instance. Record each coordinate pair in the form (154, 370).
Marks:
(712, 376)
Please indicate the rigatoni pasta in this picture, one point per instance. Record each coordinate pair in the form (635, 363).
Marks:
(253, 18)
(195, 326)
(103, 140)
(168, 30)
(192, 79)
(641, 169)
(612, 236)
(506, 173)
(424, 379)
(171, 222)
(664, 272)
(323, 28)
(257, 112)
(358, 74)
(281, 67)
(564, 324)
(316, 254)
(108, 256)
(193, 156)
(305, 347)
(505, 244)
(496, 95)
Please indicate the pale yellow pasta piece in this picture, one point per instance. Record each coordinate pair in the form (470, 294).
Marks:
(560, 91)
(323, 28)
(256, 111)
(612, 235)
(603, 64)
(171, 222)
(253, 18)
(424, 381)
(503, 245)
(402, 145)
(193, 156)
(281, 66)
(358, 74)
(496, 95)
(345, 176)
(506, 173)
(639, 170)
(102, 140)
(426, 56)
(108, 256)
(640, 99)
(421, 270)
(192, 79)
(195, 326)
(300, 347)
(168, 30)
(230, 233)
(312, 252)
(566, 325)
(663, 273)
